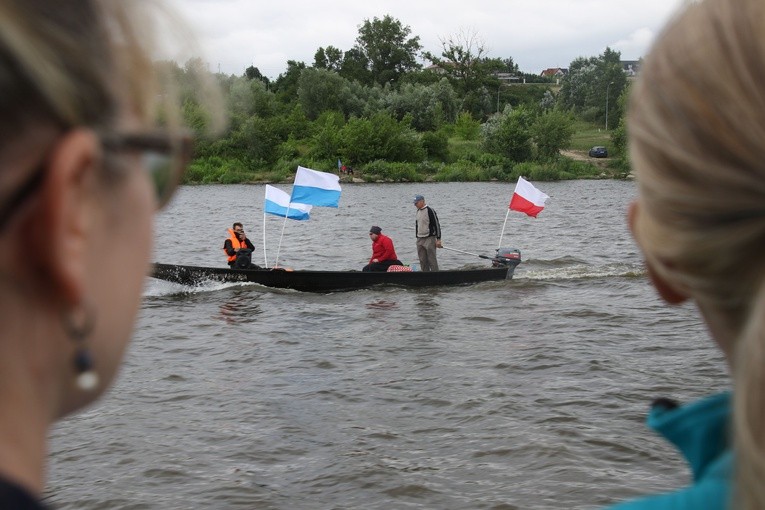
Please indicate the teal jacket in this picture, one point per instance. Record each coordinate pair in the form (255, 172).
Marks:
(700, 431)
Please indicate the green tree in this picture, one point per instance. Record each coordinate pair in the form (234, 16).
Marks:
(480, 102)
(380, 137)
(421, 77)
(387, 48)
(297, 124)
(286, 84)
(329, 58)
(194, 86)
(194, 116)
(327, 139)
(548, 101)
(361, 101)
(613, 82)
(577, 87)
(619, 142)
(509, 134)
(253, 73)
(528, 95)
(429, 106)
(464, 59)
(551, 132)
(319, 90)
(591, 83)
(247, 98)
(436, 145)
(254, 143)
(619, 109)
(619, 134)
(354, 67)
(510, 66)
(467, 127)
(320, 59)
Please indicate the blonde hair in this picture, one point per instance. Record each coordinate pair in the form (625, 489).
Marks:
(696, 123)
(82, 63)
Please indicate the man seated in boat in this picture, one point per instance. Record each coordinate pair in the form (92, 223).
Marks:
(383, 253)
(238, 248)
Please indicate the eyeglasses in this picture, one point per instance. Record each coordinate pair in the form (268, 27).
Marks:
(165, 157)
(21, 194)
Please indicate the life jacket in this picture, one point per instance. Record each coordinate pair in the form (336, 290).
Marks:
(235, 243)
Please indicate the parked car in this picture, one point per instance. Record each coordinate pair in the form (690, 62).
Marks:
(598, 152)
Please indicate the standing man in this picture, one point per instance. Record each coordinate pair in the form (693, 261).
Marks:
(237, 241)
(383, 253)
(428, 233)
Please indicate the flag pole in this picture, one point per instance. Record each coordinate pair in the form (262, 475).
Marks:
(503, 229)
(278, 249)
(265, 257)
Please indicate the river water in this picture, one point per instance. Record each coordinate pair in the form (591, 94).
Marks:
(522, 394)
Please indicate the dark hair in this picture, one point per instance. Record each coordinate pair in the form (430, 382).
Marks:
(237, 224)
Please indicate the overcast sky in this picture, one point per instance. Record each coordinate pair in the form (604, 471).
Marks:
(537, 34)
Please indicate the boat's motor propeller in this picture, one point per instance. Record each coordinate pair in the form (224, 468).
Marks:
(506, 257)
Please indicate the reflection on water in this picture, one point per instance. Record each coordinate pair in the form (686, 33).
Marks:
(240, 308)
(382, 304)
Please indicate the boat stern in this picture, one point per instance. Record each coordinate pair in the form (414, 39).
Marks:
(507, 257)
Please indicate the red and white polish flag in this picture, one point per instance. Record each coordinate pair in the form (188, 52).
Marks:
(527, 199)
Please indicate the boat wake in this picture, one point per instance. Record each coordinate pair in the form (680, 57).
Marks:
(160, 288)
(571, 268)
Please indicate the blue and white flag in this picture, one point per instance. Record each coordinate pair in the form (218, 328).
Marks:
(278, 204)
(316, 188)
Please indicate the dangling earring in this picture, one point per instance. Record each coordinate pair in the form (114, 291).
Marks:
(79, 325)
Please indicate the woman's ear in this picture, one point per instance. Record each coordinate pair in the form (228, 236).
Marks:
(632, 212)
(58, 235)
(665, 290)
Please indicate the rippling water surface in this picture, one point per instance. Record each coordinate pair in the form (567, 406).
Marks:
(522, 394)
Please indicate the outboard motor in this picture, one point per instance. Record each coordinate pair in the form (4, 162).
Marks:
(507, 257)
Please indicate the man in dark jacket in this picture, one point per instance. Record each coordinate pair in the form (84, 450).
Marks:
(427, 230)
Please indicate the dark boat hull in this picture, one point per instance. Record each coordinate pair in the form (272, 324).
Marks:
(328, 281)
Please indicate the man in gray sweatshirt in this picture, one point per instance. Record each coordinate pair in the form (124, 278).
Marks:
(427, 229)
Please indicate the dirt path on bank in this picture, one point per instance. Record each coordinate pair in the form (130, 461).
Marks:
(582, 156)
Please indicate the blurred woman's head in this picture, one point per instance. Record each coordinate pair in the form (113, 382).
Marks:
(83, 167)
(696, 123)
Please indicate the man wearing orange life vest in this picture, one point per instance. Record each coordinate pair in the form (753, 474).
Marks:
(236, 241)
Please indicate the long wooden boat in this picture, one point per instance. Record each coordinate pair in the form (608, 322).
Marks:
(330, 281)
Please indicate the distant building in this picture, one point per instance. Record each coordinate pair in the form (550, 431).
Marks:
(631, 67)
(435, 68)
(554, 72)
(507, 78)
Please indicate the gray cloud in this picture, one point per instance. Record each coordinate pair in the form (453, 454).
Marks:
(235, 34)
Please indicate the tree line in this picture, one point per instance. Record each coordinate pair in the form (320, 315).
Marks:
(375, 107)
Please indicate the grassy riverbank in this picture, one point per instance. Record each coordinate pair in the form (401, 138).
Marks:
(465, 161)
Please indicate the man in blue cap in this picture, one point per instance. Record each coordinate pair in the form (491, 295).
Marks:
(427, 230)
